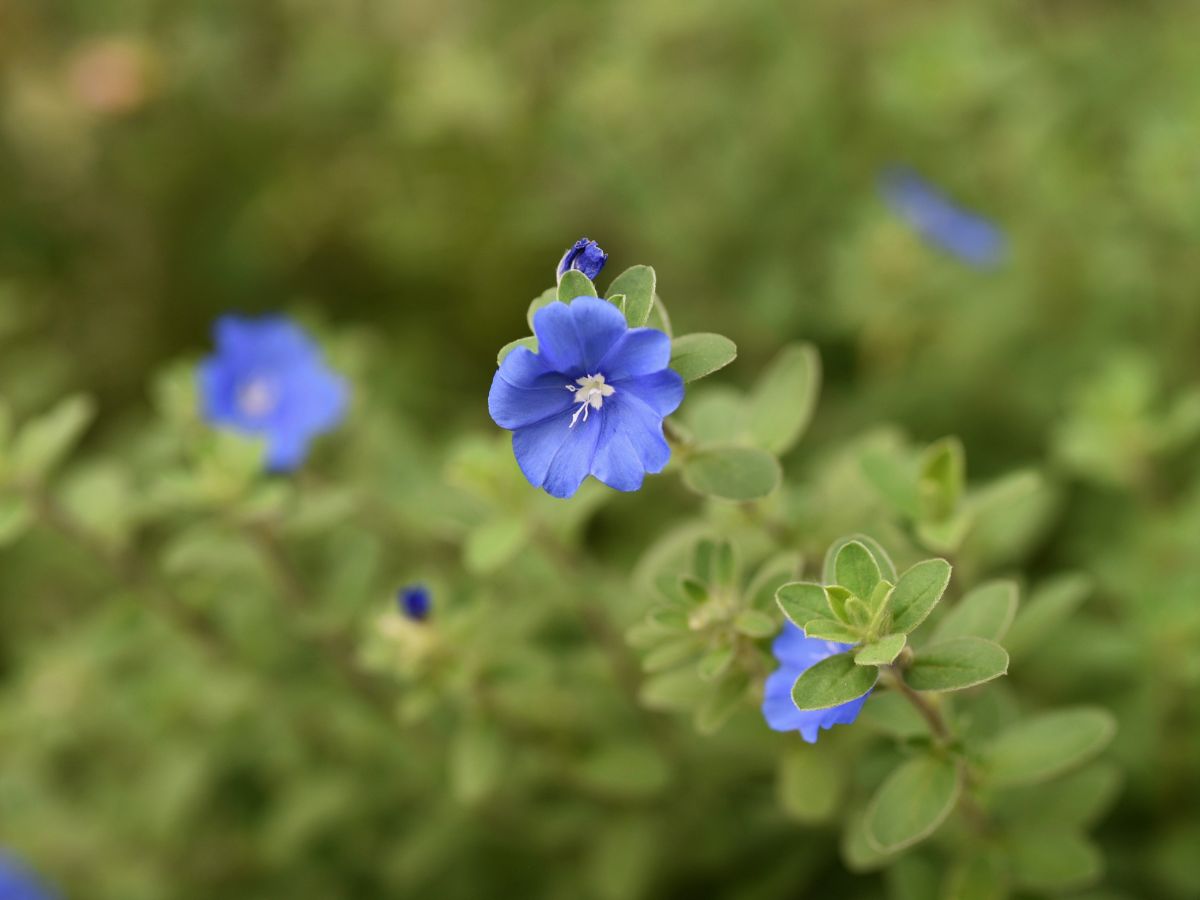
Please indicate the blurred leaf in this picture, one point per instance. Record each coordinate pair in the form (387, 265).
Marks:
(986, 612)
(831, 682)
(732, 473)
(476, 762)
(917, 592)
(980, 877)
(15, 518)
(43, 442)
(770, 577)
(956, 664)
(895, 479)
(910, 805)
(659, 318)
(1051, 604)
(495, 543)
(694, 356)
(722, 703)
(637, 284)
(783, 400)
(676, 690)
(1039, 748)
(715, 664)
(624, 768)
(1053, 860)
(810, 783)
(755, 624)
(1076, 800)
(942, 477)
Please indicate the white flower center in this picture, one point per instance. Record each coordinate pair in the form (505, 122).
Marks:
(257, 397)
(589, 394)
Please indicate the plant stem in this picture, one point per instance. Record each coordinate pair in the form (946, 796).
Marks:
(930, 713)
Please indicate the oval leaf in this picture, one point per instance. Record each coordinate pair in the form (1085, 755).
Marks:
(1040, 748)
(1049, 859)
(957, 664)
(881, 653)
(547, 297)
(855, 569)
(917, 593)
(527, 342)
(916, 798)
(732, 473)
(637, 284)
(695, 355)
(985, 612)
(783, 401)
(575, 284)
(831, 682)
(887, 568)
(802, 602)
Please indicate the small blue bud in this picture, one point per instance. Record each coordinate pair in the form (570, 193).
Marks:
(586, 256)
(414, 601)
(960, 232)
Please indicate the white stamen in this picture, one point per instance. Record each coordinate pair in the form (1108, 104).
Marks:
(257, 397)
(590, 395)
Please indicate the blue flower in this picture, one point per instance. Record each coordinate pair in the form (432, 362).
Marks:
(586, 256)
(414, 601)
(268, 379)
(18, 883)
(797, 654)
(591, 400)
(971, 238)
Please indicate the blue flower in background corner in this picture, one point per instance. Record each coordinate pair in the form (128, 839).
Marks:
(414, 602)
(591, 401)
(797, 654)
(18, 883)
(586, 256)
(971, 238)
(267, 378)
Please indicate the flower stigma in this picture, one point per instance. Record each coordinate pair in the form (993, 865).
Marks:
(257, 397)
(589, 395)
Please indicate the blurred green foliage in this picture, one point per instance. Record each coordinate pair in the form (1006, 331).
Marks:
(191, 676)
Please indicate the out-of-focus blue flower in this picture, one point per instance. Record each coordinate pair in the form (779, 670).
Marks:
(18, 883)
(414, 602)
(268, 378)
(797, 654)
(591, 401)
(584, 255)
(970, 237)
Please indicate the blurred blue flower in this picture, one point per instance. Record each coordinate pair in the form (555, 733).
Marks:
(18, 883)
(586, 256)
(590, 401)
(414, 602)
(268, 378)
(970, 237)
(797, 654)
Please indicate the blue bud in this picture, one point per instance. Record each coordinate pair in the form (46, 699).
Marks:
(970, 237)
(586, 256)
(414, 601)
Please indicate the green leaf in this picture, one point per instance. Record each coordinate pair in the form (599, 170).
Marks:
(1049, 859)
(722, 703)
(895, 480)
(910, 805)
(732, 473)
(836, 598)
(942, 476)
(637, 284)
(830, 630)
(629, 768)
(887, 568)
(783, 400)
(1040, 748)
(673, 691)
(985, 612)
(881, 653)
(491, 545)
(694, 356)
(770, 577)
(547, 297)
(670, 654)
(755, 624)
(1076, 800)
(858, 853)
(802, 602)
(855, 569)
(831, 682)
(529, 343)
(659, 318)
(15, 518)
(575, 284)
(715, 664)
(45, 441)
(476, 761)
(810, 784)
(981, 877)
(1050, 605)
(957, 664)
(917, 592)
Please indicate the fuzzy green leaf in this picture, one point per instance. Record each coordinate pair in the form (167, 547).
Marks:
(957, 664)
(694, 356)
(1040, 748)
(802, 602)
(43, 442)
(544, 299)
(755, 624)
(855, 569)
(529, 343)
(985, 612)
(917, 592)
(831, 682)
(882, 652)
(830, 630)
(1049, 859)
(575, 284)
(637, 284)
(782, 403)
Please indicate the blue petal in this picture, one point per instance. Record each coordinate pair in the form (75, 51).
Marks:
(640, 351)
(573, 339)
(661, 391)
(524, 392)
(640, 432)
(556, 457)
